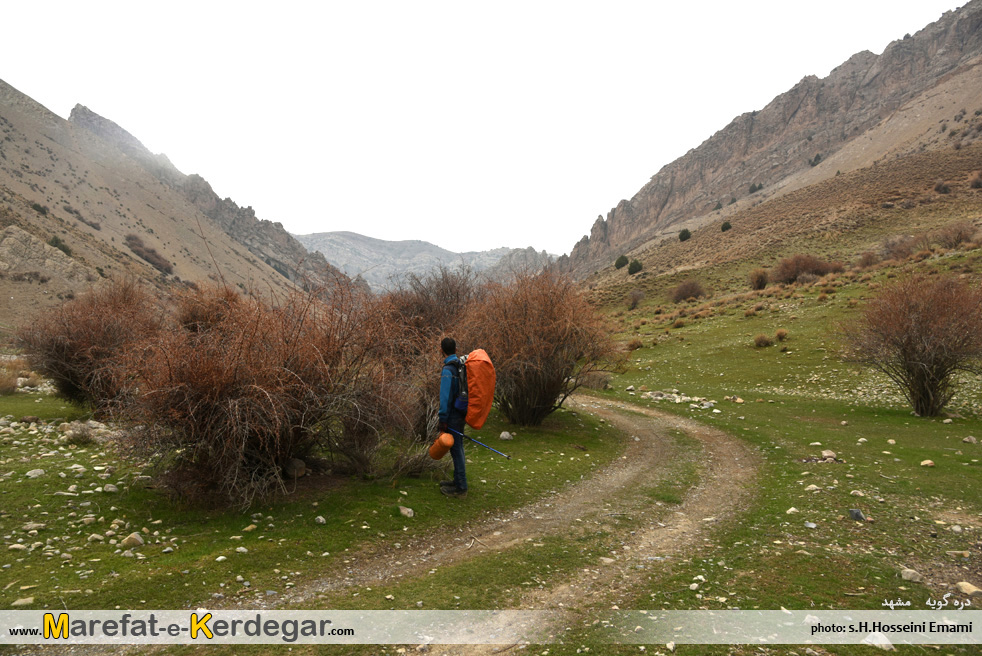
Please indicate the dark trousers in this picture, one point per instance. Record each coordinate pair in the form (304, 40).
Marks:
(457, 454)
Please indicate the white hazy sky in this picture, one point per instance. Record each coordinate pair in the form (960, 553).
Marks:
(469, 125)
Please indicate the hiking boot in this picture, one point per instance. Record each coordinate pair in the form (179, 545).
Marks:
(447, 484)
(454, 492)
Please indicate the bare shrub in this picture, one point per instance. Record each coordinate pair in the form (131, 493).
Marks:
(953, 235)
(806, 278)
(149, 254)
(75, 344)
(634, 344)
(543, 337)
(868, 259)
(597, 380)
(781, 334)
(762, 341)
(8, 380)
(898, 247)
(226, 407)
(678, 323)
(634, 299)
(759, 279)
(686, 290)
(920, 332)
(976, 182)
(791, 269)
(432, 303)
(942, 187)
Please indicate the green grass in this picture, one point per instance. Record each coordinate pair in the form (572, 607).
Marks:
(361, 516)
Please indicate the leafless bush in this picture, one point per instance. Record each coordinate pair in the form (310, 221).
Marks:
(942, 187)
(543, 338)
(228, 406)
(8, 381)
(634, 299)
(868, 259)
(762, 341)
(791, 269)
(781, 334)
(75, 344)
(149, 254)
(634, 344)
(953, 235)
(432, 303)
(687, 289)
(759, 279)
(976, 182)
(920, 332)
(898, 247)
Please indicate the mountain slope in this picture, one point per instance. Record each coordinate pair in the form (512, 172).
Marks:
(809, 123)
(383, 263)
(118, 210)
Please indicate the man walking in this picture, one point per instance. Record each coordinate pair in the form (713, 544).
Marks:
(452, 417)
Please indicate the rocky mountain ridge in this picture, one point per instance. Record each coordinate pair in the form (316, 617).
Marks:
(382, 263)
(791, 135)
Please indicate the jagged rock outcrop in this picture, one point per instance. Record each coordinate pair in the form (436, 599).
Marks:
(267, 240)
(814, 118)
(23, 254)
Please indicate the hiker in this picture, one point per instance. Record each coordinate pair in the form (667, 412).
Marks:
(452, 418)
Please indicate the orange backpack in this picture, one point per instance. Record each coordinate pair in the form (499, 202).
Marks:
(477, 380)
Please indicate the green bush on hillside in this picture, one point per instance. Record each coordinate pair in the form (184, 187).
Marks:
(621, 262)
(634, 267)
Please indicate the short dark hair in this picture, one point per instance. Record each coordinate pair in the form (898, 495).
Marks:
(449, 346)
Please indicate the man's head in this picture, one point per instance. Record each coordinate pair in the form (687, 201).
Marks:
(449, 346)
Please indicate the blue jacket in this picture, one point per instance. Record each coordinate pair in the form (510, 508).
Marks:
(449, 388)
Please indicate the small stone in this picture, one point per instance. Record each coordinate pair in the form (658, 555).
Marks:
(946, 421)
(406, 512)
(607, 561)
(693, 586)
(857, 493)
(33, 526)
(168, 550)
(221, 559)
(249, 528)
(35, 473)
(843, 423)
(132, 540)
(955, 528)
(826, 454)
(95, 537)
(927, 463)
(968, 589)
(17, 547)
(911, 575)
(970, 440)
(630, 388)
(26, 601)
(812, 488)
(791, 511)
(389, 597)
(66, 556)
(891, 442)
(505, 435)
(241, 550)
(857, 514)
(109, 488)
(670, 646)
(958, 554)
(811, 525)
(320, 520)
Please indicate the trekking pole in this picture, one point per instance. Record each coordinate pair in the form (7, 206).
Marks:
(481, 443)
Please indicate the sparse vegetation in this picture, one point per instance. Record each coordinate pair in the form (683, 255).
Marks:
(921, 332)
(634, 267)
(60, 244)
(781, 334)
(726, 226)
(148, 254)
(687, 289)
(762, 341)
(634, 299)
(621, 262)
(759, 279)
(684, 234)
(942, 187)
(793, 268)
